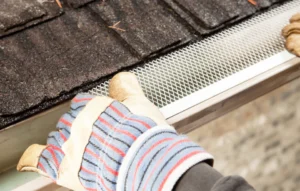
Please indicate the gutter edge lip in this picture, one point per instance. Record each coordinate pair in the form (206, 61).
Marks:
(178, 106)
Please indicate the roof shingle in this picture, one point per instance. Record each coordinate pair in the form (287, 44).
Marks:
(78, 3)
(208, 12)
(55, 57)
(19, 14)
(145, 25)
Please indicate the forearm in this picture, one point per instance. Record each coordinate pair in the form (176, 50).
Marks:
(203, 177)
(200, 177)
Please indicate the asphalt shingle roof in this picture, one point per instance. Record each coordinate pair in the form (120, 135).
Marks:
(49, 53)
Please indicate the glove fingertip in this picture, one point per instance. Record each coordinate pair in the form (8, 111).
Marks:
(30, 158)
(295, 18)
(124, 85)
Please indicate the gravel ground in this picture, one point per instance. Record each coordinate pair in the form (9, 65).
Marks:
(259, 141)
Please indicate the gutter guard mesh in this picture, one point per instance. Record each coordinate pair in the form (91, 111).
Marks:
(184, 71)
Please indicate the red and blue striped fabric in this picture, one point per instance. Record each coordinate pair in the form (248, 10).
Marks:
(157, 157)
(113, 133)
(52, 156)
(152, 153)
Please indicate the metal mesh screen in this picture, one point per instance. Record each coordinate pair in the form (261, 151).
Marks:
(203, 63)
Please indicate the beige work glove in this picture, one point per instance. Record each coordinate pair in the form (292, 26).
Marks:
(292, 35)
(124, 88)
(118, 143)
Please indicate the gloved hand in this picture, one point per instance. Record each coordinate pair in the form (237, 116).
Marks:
(121, 142)
(292, 35)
